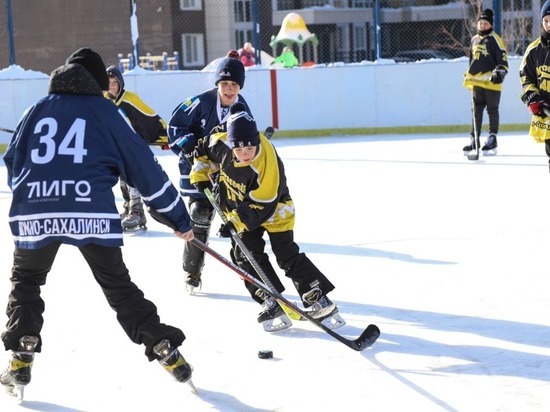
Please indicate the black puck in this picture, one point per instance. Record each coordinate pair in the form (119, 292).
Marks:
(265, 354)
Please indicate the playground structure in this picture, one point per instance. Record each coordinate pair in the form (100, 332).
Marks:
(295, 32)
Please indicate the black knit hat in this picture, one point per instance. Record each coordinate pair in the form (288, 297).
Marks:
(545, 9)
(93, 63)
(230, 69)
(487, 15)
(241, 128)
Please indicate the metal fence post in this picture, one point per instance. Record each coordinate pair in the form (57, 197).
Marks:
(376, 24)
(11, 42)
(256, 32)
(497, 24)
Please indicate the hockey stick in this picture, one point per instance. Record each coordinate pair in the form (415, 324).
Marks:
(6, 130)
(160, 144)
(367, 337)
(474, 154)
(236, 238)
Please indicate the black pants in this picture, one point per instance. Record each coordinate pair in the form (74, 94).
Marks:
(137, 315)
(295, 264)
(490, 99)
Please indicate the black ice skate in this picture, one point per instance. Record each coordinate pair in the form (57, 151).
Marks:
(136, 218)
(467, 149)
(18, 373)
(321, 308)
(193, 281)
(272, 317)
(490, 147)
(171, 359)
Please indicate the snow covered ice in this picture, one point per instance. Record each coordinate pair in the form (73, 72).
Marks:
(447, 256)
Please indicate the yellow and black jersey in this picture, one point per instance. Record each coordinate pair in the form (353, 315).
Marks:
(534, 70)
(251, 195)
(487, 52)
(145, 121)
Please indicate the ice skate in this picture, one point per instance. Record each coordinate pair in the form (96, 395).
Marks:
(471, 147)
(135, 220)
(322, 308)
(272, 317)
(173, 362)
(193, 281)
(18, 373)
(490, 147)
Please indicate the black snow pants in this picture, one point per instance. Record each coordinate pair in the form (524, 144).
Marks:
(295, 264)
(137, 315)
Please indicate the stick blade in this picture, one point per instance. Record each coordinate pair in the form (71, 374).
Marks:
(367, 338)
(473, 155)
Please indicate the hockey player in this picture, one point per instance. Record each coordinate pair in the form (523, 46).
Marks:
(64, 158)
(149, 125)
(255, 199)
(486, 72)
(193, 119)
(534, 72)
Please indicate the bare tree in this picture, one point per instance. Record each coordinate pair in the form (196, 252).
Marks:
(457, 35)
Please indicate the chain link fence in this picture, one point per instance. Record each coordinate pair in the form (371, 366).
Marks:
(189, 34)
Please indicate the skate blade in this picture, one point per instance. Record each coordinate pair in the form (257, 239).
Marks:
(333, 321)
(190, 289)
(280, 323)
(16, 392)
(134, 229)
(491, 152)
(191, 385)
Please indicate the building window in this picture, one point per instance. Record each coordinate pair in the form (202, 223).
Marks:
(190, 5)
(243, 11)
(243, 22)
(342, 43)
(193, 46)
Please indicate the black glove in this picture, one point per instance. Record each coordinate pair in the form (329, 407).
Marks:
(201, 186)
(535, 103)
(529, 97)
(497, 76)
(186, 142)
(225, 229)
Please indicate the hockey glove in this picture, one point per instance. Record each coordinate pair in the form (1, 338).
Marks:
(535, 103)
(225, 229)
(201, 186)
(186, 143)
(540, 108)
(497, 76)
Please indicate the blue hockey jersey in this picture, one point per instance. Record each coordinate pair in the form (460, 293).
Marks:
(67, 153)
(192, 120)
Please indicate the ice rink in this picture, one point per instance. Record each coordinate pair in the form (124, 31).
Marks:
(449, 257)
